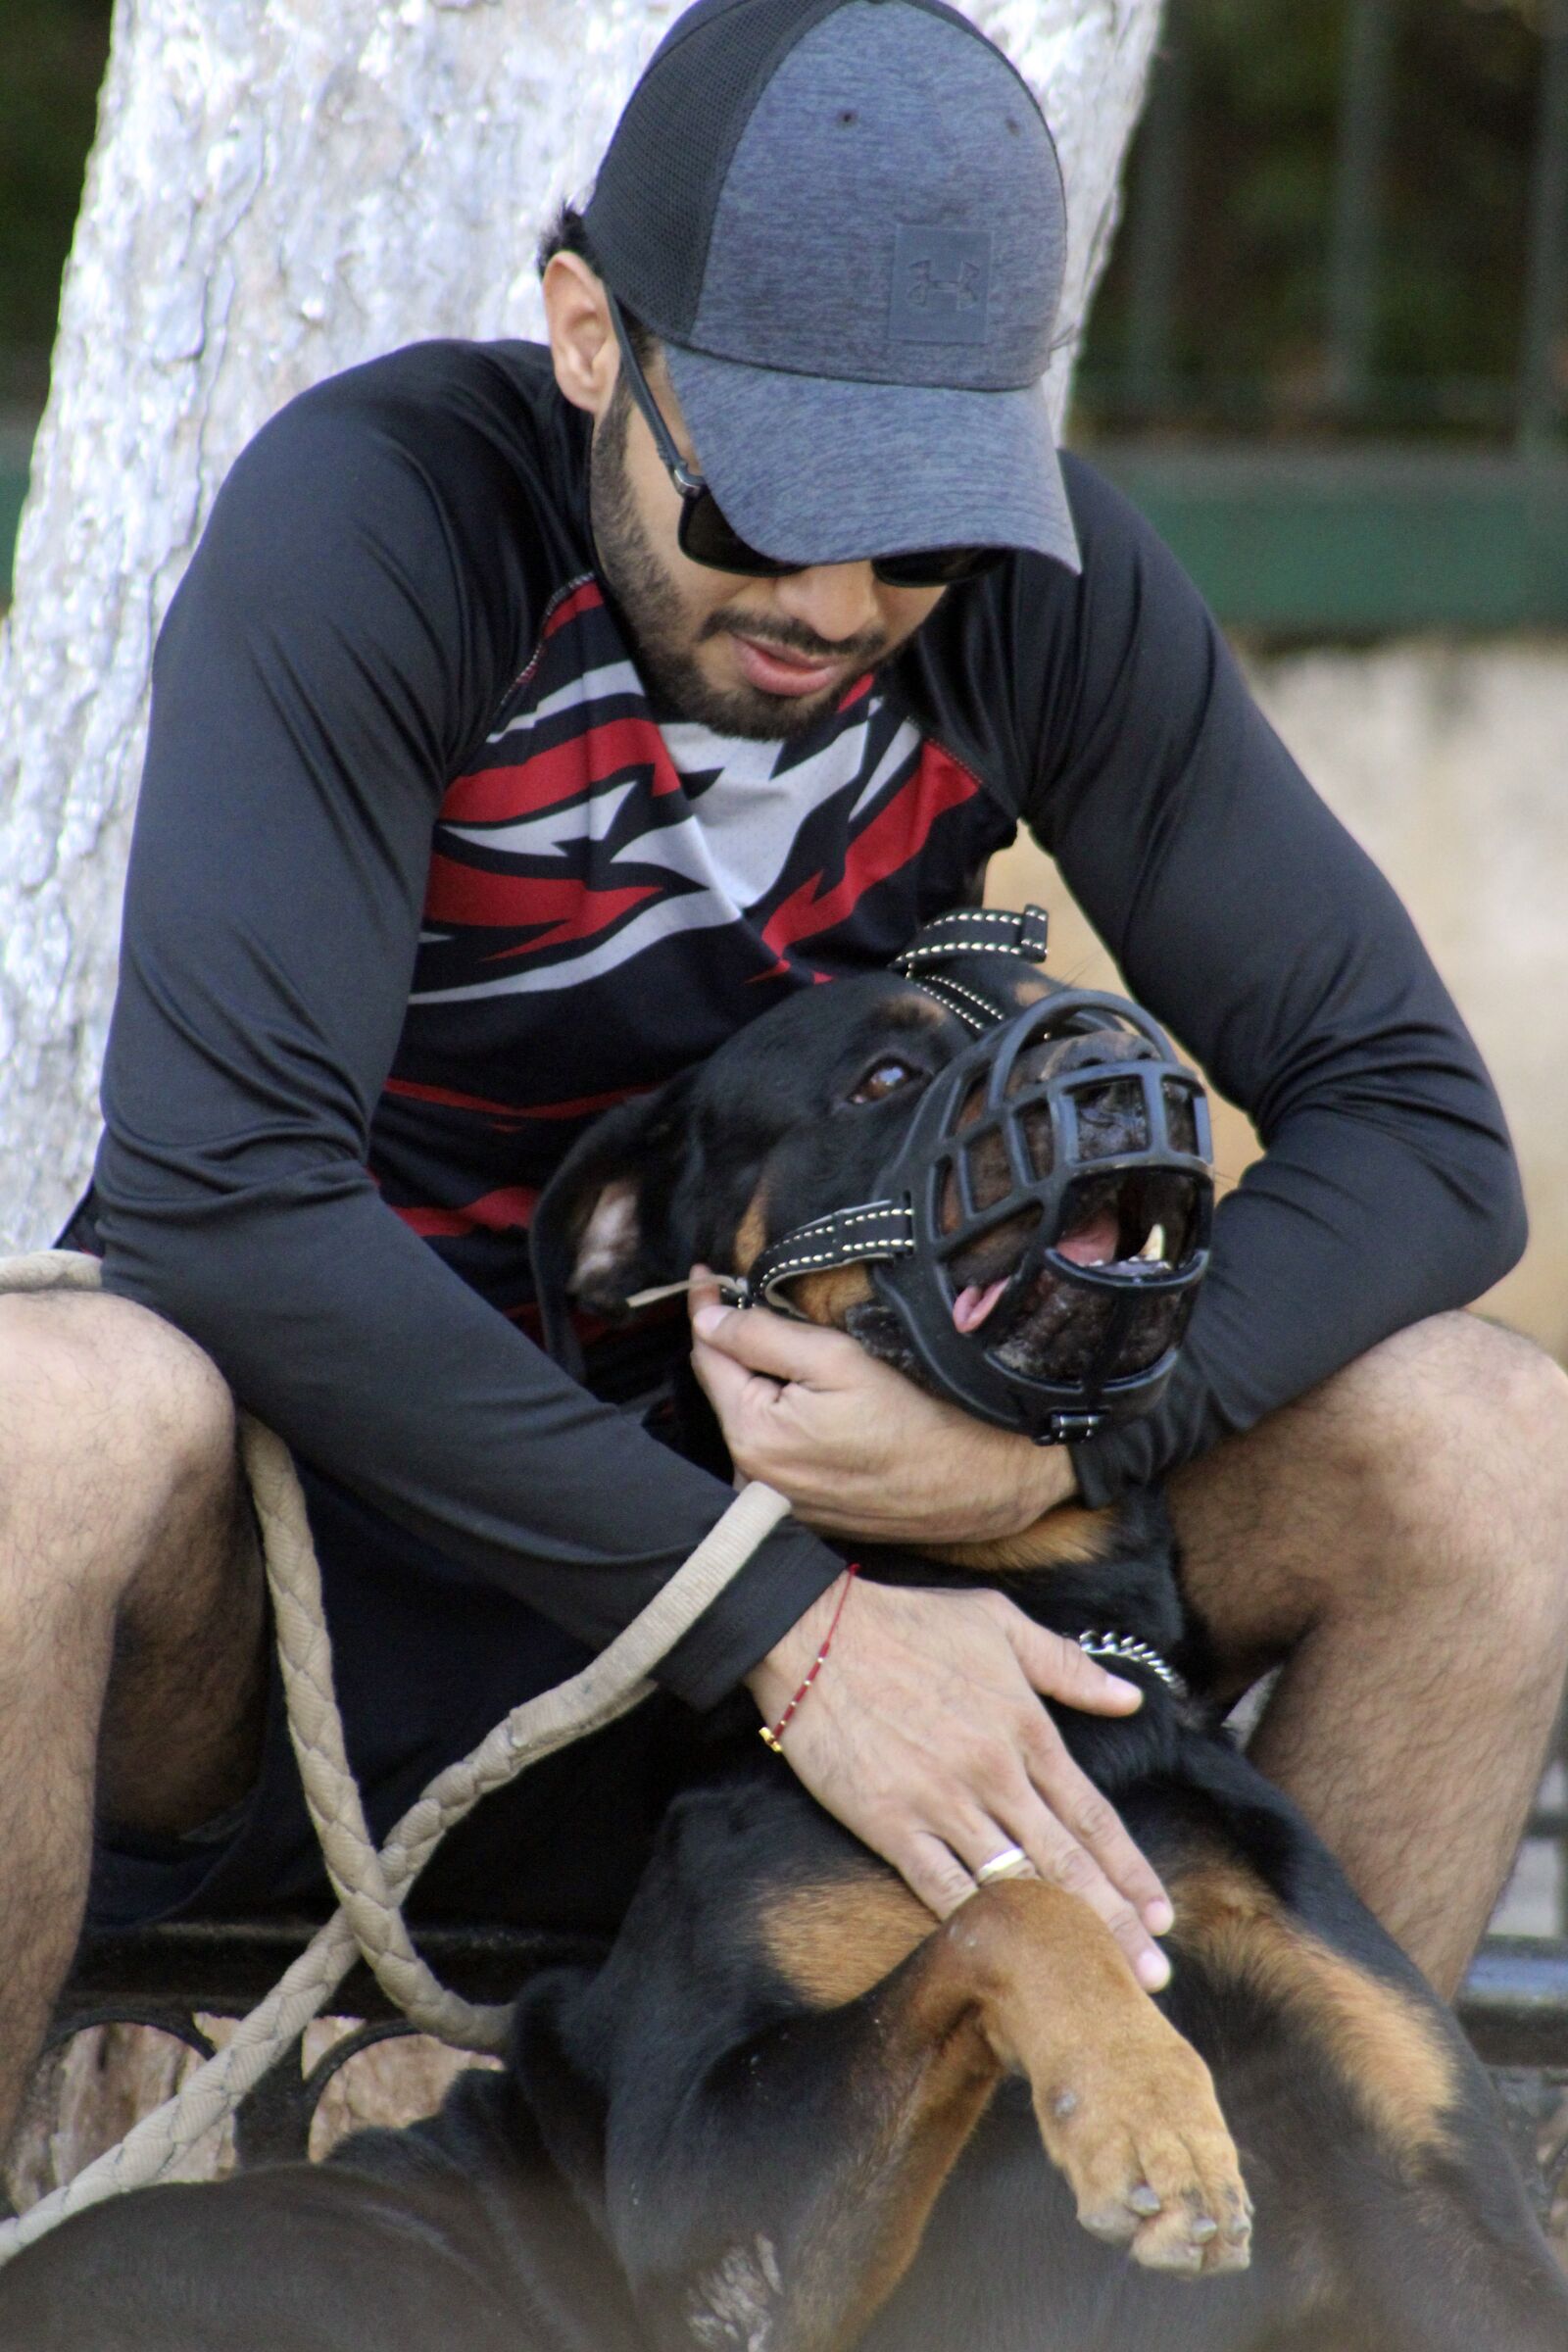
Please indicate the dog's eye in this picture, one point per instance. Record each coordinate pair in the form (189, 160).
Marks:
(885, 1079)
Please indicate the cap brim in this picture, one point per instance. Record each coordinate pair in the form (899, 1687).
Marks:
(819, 470)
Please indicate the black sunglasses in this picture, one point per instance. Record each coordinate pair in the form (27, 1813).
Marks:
(707, 538)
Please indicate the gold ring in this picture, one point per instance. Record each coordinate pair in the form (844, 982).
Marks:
(1011, 1863)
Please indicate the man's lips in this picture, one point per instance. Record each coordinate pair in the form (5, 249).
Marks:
(777, 672)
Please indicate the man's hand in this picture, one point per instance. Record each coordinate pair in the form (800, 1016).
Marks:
(924, 1736)
(859, 1450)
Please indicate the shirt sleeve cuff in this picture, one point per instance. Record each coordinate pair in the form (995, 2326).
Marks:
(775, 1587)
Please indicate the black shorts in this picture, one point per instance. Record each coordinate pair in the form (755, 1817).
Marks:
(427, 1660)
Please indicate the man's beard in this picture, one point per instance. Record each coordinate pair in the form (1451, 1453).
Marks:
(665, 646)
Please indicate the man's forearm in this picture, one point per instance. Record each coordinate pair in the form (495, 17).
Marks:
(348, 1336)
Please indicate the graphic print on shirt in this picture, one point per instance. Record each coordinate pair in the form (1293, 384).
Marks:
(609, 899)
(591, 834)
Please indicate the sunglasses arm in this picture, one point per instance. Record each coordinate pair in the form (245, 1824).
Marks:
(688, 483)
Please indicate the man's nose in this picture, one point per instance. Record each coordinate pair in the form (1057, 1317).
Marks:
(835, 601)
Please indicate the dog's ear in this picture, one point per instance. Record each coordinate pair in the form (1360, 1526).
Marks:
(603, 1229)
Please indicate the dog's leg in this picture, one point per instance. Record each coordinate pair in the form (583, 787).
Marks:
(791, 2061)
(1026, 1977)
(1379, 2153)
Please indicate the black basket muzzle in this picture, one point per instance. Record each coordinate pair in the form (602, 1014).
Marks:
(1001, 1154)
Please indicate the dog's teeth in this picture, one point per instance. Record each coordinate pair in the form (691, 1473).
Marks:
(1154, 1247)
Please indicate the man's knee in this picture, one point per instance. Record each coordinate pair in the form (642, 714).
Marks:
(1452, 1402)
(1428, 1478)
(1455, 1382)
(110, 1421)
(1452, 1436)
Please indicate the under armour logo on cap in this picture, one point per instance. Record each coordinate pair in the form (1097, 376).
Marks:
(941, 285)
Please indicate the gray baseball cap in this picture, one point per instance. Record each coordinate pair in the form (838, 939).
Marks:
(845, 220)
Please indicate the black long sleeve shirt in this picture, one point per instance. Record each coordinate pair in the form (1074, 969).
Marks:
(420, 882)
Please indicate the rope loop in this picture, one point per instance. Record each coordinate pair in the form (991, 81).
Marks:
(371, 1886)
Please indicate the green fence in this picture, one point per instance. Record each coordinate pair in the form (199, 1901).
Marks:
(1331, 356)
(1359, 542)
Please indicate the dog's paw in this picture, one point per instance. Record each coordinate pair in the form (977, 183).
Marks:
(1126, 2106)
(1145, 2150)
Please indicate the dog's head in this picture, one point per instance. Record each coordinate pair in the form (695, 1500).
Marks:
(802, 1114)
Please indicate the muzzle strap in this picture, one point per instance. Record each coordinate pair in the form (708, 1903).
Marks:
(976, 931)
(971, 931)
(876, 1229)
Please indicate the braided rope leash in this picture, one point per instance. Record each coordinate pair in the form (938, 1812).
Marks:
(371, 1886)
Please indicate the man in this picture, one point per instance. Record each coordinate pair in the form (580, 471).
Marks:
(486, 784)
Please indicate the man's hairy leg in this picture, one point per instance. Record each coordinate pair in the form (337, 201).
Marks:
(131, 1615)
(1399, 1537)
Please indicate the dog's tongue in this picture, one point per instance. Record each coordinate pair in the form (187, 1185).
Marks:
(971, 1306)
(1090, 1245)
(1094, 1243)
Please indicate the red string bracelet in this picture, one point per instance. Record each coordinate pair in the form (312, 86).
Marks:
(772, 1735)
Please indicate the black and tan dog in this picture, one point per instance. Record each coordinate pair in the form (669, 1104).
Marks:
(788, 2115)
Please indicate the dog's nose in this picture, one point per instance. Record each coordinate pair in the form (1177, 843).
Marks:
(1054, 1055)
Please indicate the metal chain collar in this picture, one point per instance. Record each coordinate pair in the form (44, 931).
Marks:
(1127, 1651)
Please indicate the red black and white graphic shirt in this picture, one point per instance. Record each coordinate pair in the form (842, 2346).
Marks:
(609, 897)
(422, 881)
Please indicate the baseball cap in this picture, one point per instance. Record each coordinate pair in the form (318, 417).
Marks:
(845, 220)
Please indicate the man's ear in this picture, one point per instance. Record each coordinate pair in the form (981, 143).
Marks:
(582, 342)
(601, 1230)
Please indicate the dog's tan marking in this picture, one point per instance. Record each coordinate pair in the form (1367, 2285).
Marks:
(827, 1298)
(947, 2087)
(1069, 1536)
(751, 1234)
(833, 1942)
(1386, 2050)
(1123, 2100)
(934, 2076)
(1023, 1975)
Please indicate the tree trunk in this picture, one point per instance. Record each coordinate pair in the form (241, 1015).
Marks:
(278, 190)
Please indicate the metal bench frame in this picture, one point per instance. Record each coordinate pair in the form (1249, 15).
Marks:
(1514, 2007)
(170, 1977)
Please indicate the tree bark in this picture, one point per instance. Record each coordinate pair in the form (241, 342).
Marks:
(280, 188)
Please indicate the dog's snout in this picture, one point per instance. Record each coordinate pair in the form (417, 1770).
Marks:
(1053, 1056)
